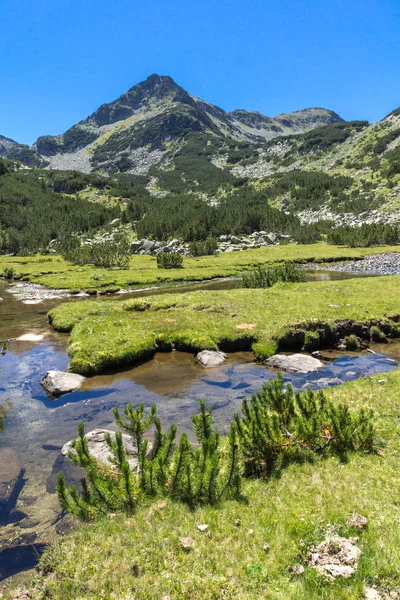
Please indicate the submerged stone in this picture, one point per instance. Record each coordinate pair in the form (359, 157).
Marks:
(99, 448)
(14, 559)
(57, 383)
(30, 337)
(211, 358)
(294, 363)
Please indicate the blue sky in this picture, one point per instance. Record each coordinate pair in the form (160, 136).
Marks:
(61, 59)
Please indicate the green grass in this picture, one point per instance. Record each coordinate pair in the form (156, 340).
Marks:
(112, 333)
(141, 557)
(53, 272)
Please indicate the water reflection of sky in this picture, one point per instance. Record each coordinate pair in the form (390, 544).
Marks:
(174, 382)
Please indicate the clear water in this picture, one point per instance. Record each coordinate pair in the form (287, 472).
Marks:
(37, 426)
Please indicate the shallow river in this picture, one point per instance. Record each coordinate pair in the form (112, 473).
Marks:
(37, 427)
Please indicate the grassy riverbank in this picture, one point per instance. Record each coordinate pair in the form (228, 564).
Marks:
(54, 272)
(142, 557)
(113, 333)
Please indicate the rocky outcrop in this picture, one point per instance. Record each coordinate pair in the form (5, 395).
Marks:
(370, 217)
(11, 481)
(57, 383)
(293, 363)
(226, 243)
(211, 358)
(99, 449)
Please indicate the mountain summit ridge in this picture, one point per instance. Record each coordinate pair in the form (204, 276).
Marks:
(151, 115)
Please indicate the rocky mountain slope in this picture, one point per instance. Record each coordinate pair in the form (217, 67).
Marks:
(135, 131)
(158, 141)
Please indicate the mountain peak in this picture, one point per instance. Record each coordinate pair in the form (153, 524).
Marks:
(153, 90)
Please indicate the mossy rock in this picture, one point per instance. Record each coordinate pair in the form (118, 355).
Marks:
(352, 342)
(312, 341)
(377, 335)
(263, 350)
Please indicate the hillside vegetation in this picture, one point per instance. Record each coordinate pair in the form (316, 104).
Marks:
(177, 166)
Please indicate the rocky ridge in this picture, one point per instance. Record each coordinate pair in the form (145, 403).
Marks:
(155, 113)
(226, 243)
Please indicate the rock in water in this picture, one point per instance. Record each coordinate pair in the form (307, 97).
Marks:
(294, 363)
(11, 480)
(98, 447)
(211, 358)
(30, 337)
(57, 383)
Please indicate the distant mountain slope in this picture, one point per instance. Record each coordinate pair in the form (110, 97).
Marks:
(21, 152)
(138, 129)
(168, 142)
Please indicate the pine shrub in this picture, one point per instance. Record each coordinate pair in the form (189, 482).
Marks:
(206, 247)
(100, 254)
(278, 427)
(201, 474)
(265, 278)
(170, 260)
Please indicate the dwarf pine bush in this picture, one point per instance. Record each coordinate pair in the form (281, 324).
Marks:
(265, 278)
(100, 253)
(201, 474)
(8, 273)
(278, 427)
(170, 260)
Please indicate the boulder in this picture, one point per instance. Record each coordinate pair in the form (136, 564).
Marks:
(135, 246)
(57, 383)
(11, 480)
(211, 358)
(294, 363)
(235, 240)
(98, 447)
(147, 245)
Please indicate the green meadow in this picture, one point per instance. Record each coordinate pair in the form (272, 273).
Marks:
(106, 334)
(54, 272)
(142, 557)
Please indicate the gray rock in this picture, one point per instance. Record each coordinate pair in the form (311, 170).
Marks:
(211, 358)
(135, 246)
(235, 240)
(294, 363)
(147, 245)
(57, 383)
(328, 381)
(98, 447)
